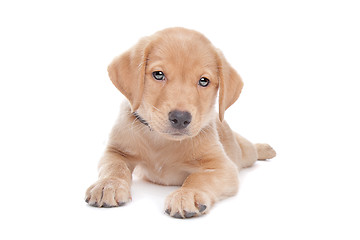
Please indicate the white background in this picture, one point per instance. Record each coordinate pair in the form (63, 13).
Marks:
(300, 63)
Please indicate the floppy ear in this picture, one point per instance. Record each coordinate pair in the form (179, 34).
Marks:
(231, 85)
(127, 72)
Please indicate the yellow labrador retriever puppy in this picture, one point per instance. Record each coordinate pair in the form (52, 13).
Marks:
(170, 131)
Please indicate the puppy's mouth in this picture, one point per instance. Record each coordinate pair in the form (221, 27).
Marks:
(175, 134)
(169, 132)
(178, 135)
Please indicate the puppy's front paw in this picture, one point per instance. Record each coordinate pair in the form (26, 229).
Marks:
(187, 203)
(109, 192)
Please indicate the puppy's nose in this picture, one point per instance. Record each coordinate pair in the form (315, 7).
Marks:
(179, 119)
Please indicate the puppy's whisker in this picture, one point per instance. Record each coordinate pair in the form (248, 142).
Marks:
(152, 106)
(140, 65)
(155, 108)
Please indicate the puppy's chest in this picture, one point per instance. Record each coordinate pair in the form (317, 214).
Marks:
(167, 155)
(167, 164)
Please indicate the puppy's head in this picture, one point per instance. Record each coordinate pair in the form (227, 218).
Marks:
(172, 79)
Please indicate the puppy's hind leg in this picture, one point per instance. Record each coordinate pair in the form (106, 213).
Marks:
(264, 151)
(251, 152)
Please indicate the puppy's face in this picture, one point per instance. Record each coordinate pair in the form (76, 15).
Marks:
(171, 80)
(181, 83)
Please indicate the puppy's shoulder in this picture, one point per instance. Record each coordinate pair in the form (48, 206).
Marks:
(126, 130)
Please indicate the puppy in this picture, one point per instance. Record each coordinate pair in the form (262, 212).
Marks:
(169, 129)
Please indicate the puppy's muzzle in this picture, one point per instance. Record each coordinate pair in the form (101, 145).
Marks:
(179, 119)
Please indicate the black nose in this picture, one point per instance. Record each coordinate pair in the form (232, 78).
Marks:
(179, 119)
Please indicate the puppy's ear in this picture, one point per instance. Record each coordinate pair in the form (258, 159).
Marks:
(127, 72)
(231, 85)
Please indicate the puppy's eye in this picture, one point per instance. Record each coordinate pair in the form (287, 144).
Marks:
(159, 75)
(204, 82)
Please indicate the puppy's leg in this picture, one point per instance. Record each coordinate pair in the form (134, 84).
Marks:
(113, 187)
(216, 179)
(252, 152)
(248, 151)
(264, 151)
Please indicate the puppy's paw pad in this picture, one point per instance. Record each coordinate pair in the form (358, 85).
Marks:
(108, 193)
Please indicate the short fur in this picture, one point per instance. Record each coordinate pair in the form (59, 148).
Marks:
(205, 157)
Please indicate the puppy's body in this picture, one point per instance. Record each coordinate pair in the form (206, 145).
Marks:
(170, 131)
(169, 162)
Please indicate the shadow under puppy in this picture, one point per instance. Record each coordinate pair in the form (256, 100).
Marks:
(169, 130)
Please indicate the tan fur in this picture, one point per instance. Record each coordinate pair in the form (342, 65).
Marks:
(204, 158)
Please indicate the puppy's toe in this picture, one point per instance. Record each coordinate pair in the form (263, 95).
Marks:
(108, 193)
(202, 208)
(187, 203)
(189, 214)
(264, 151)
